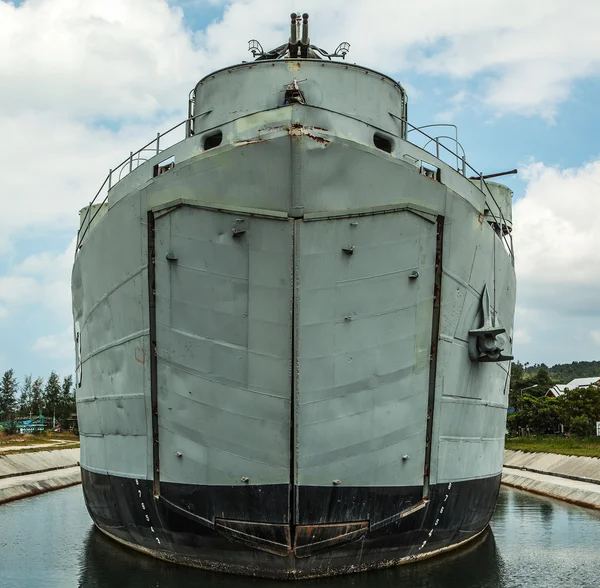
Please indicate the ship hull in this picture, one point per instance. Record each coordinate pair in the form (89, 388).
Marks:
(274, 338)
(126, 510)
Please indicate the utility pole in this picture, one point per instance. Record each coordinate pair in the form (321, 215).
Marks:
(528, 388)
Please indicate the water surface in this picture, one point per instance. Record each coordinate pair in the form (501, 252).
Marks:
(535, 542)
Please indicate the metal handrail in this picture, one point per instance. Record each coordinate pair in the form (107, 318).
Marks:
(482, 182)
(455, 138)
(189, 120)
(119, 168)
(437, 143)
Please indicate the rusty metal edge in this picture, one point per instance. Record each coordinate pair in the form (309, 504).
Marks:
(232, 533)
(427, 213)
(187, 513)
(305, 550)
(435, 333)
(220, 207)
(291, 575)
(285, 63)
(401, 515)
(294, 334)
(153, 356)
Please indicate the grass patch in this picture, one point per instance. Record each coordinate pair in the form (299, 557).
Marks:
(587, 446)
(17, 440)
(62, 437)
(49, 447)
(29, 439)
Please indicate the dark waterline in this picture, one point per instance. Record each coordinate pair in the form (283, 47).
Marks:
(535, 542)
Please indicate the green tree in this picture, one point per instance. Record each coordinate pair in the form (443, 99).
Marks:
(67, 401)
(546, 417)
(539, 415)
(543, 380)
(25, 398)
(37, 396)
(8, 395)
(581, 402)
(580, 426)
(52, 394)
(517, 375)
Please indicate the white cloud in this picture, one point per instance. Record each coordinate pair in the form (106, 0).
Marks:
(42, 279)
(101, 58)
(556, 234)
(67, 63)
(530, 52)
(522, 337)
(135, 58)
(85, 81)
(18, 290)
(44, 182)
(58, 346)
(557, 249)
(52, 274)
(456, 103)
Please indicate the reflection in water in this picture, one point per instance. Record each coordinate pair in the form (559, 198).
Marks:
(536, 542)
(476, 565)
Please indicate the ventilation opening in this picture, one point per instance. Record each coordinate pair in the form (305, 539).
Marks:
(431, 172)
(213, 140)
(382, 143)
(164, 166)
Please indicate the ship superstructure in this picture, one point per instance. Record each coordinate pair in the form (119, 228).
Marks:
(293, 329)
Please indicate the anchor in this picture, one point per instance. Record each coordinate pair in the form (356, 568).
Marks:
(487, 343)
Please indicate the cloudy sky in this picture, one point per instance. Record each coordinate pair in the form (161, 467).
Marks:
(83, 82)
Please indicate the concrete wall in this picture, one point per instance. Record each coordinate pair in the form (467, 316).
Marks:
(28, 463)
(28, 474)
(565, 477)
(572, 466)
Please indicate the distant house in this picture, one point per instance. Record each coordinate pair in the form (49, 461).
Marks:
(556, 390)
(31, 426)
(559, 389)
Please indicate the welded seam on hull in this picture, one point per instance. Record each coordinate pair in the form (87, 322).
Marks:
(187, 513)
(153, 352)
(401, 515)
(229, 383)
(115, 343)
(110, 397)
(220, 207)
(106, 295)
(435, 333)
(293, 494)
(426, 213)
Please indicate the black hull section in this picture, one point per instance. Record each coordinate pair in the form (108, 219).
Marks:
(245, 529)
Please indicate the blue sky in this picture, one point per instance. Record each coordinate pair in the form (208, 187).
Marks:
(86, 81)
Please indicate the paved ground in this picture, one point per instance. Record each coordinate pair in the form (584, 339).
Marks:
(575, 491)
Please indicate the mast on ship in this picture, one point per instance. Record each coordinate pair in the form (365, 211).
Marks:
(298, 46)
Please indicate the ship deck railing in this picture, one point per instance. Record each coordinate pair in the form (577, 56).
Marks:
(157, 146)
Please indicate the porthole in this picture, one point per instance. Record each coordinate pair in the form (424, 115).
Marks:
(212, 141)
(382, 143)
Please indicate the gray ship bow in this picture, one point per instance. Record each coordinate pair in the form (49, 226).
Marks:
(294, 328)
